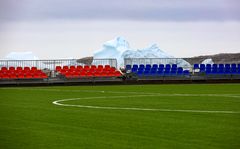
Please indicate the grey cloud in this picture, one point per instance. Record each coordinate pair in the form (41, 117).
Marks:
(173, 10)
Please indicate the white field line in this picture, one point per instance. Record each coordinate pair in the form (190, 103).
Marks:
(58, 102)
(138, 94)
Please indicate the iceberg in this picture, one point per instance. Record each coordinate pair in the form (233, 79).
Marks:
(113, 49)
(119, 49)
(21, 56)
(207, 61)
(17, 59)
(151, 51)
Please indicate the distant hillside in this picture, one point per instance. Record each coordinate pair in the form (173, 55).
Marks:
(217, 58)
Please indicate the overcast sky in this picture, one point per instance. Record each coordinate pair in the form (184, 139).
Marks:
(76, 28)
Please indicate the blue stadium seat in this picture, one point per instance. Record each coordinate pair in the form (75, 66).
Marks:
(148, 66)
(166, 73)
(180, 71)
(214, 65)
(208, 71)
(153, 72)
(196, 66)
(215, 68)
(186, 73)
(134, 70)
(140, 73)
(140, 69)
(227, 66)
(234, 71)
(221, 66)
(173, 72)
(160, 69)
(155, 66)
(174, 69)
(202, 67)
(233, 65)
(168, 66)
(214, 71)
(141, 66)
(167, 69)
(161, 66)
(146, 73)
(160, 72)
(154, 69)
(234, 68)
(128, 67)
(227, 69)
(208, 66)
(174, 65)
(238, 67)
(220, 70)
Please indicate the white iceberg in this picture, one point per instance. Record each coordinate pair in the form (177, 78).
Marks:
(21, 56)
(119, 49)
(208, 61)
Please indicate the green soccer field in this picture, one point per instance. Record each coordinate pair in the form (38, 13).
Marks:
(119, 117)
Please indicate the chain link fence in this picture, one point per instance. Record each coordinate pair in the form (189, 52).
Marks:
(179, 61)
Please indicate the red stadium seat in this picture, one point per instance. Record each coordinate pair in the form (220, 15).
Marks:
(103, 74)
(13, 76)
(112, 69)
(28, 76)
(79, 67)
(44, 76)
(68, 75)
(97, 74)
(4, 69)
(34, 69)
(65, 67)
(86, 67)
(19, 68)
(20, 73)
(76, 74)
(107, 66)
(37, 76)
(63, 72)
(26, 69)
(20, 76)
(100, 67)
(118, 73)
(93, 66)
(72, 67)
(58, 68)
(5, 76)
(83, 74)
(89, 74)
(11, 68)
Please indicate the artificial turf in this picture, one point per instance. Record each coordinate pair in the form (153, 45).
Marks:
(29, 119)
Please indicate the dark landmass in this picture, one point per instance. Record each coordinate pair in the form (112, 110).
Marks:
(221, 58)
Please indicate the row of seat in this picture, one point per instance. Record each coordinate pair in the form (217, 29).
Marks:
(88, 71)
(179, 72)
(149, 66)
(157, 70)
(220, 69)
(22, 73)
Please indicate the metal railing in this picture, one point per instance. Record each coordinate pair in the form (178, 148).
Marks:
(51, 64)
(179, 61)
